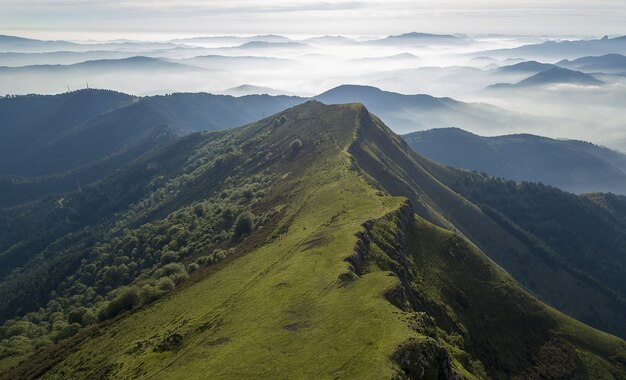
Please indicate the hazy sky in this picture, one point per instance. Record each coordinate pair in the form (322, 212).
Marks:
(168, 18)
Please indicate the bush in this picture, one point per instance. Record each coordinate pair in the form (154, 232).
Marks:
(283, 120)
(179, 278)
(76, 315)
(295, 146)
(192, 267)
(165, 284)
(149, 294)
(68, 331)
(126, 299)
(169, 257)
(203, 260)
(170, 269)
(228, 213)
(244, 223)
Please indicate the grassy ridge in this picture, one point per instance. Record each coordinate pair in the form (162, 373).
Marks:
(272, 300)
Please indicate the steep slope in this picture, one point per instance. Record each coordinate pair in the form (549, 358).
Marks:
(552, 271)
(573, 166)
(342, 280)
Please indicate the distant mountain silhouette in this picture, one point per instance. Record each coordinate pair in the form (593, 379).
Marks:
(415, 38)
(146, 72)
(407, 113)
(564, 49)
(608, 64)
(402, 57)
(272, 45)
(130, 63)
(233, 40)
(560, 75)
(20, 44)
(571, 165)
(526, 67)
(556, 75)
(248, 89)
(59, 57)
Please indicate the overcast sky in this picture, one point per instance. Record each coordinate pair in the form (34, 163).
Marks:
(158, 19)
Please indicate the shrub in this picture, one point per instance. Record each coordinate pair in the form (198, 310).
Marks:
(228, 213)
(203, 260)
(68, 331)
(170, 269)
(295, 146)
(165, 284)
(168, 257)
(126, 299)
(179, 278)
(192, 267)
(89, 318)
(244, 223)
(76, 315)
(149, 293)
(283, 120)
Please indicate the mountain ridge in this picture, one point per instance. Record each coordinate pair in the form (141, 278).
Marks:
(572, 165)
(341, 237)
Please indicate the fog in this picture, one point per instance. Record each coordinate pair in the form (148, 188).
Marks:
(455, 66)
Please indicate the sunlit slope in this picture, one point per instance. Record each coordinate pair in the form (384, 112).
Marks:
(348, 284)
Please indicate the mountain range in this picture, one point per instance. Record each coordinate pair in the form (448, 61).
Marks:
(56, 149)
(571, 165)
(56, 143)
(609, 64)
(320, 233)
(567, 49)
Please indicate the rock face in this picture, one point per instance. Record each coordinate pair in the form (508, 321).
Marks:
(425, 360)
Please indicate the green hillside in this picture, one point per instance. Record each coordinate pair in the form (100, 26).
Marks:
(58, 143)
(286, 248)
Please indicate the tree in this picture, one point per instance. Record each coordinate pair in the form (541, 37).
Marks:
(165, 284)
(244, 223)
(169, 257)
(126, 299)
